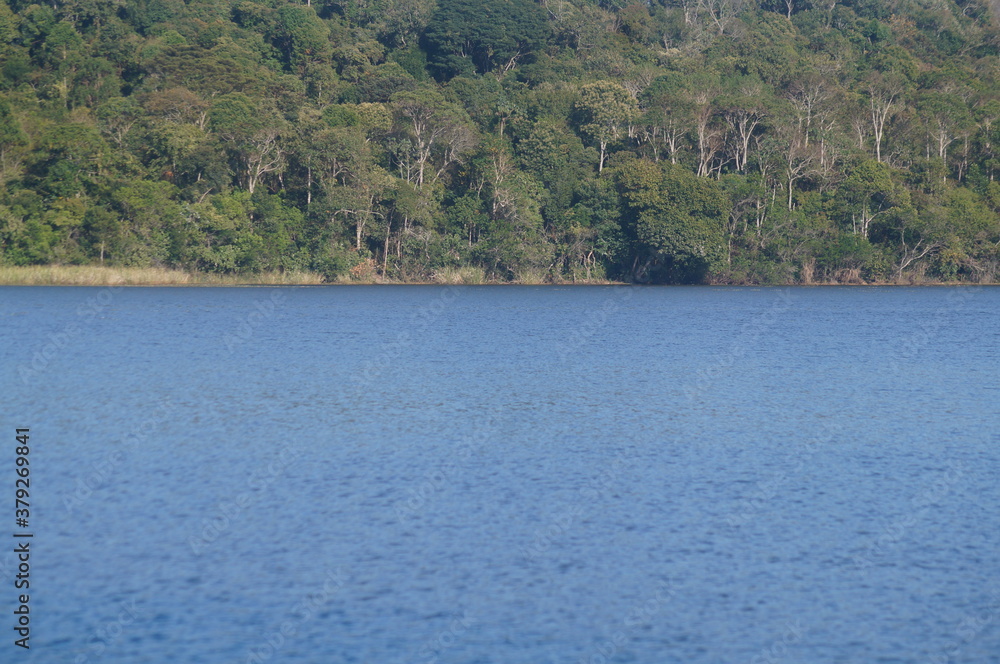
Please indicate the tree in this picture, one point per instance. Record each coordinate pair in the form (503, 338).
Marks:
(395, 22)
(8, 30)
(707, 131)
(669, 114)
(674, 217)
(302, 36)
(721, 13)
(799, 160)
(884, 93)
(253, 135)
(556, 156)
(13, 140)
(67, 160)
(483, 35)
(809, 95)
(354, 185)
(744, 110)
(871, 190)
(117, 116)
(946, 117)
(605, 108)
(152, 225)
(513, 242)
(433, 126)
(856, 138)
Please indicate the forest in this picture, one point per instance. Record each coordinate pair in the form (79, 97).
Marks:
(683, 141)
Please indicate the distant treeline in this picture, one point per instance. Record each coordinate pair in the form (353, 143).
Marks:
(728, 141)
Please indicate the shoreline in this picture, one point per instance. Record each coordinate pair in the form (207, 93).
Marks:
(97, 276)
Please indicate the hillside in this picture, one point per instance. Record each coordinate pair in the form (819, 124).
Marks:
(720, 141)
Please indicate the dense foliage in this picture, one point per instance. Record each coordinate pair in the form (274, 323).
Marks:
(730, 141)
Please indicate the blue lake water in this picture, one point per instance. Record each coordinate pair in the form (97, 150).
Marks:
(505, 475)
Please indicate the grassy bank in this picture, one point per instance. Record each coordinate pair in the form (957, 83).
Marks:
(94, 275)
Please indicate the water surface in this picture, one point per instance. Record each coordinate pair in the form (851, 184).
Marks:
(508, 474)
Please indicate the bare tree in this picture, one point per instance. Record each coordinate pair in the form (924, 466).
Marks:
(799, 160)
(263, 155)
(432, 123)
(722, 13)
(883, 97)
(808, 97)
(707, 132)
(743, 120)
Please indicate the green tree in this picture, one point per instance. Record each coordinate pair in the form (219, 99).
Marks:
(13, 142)
(67, 160)
(395, 22)
(870, 191)
(946, 118)
(675, 218)
(302, 36)
(9, 23)
(483, 35)
(557, 157)
(433, 127)
(605, 109)
(253, 135)
(153, 228)
(668, 115)
(24, 238)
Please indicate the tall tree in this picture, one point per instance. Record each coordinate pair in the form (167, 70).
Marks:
(483, 35)
(434, 126)
(884, 98)
(605, 109)
(13, 142)
(254, 137)
(674, 217)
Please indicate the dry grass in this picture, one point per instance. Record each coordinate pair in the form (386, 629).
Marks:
(807, 272)
(269, 279)
(95, 275)
(532, 276)
(849, 276)
(87, 275)
(467, 276)
(582, 281)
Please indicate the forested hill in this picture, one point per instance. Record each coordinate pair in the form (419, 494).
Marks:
(708, 140)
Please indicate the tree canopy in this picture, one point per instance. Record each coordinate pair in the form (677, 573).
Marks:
(721, 141)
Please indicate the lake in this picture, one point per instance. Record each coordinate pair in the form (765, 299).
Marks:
(505, 475)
